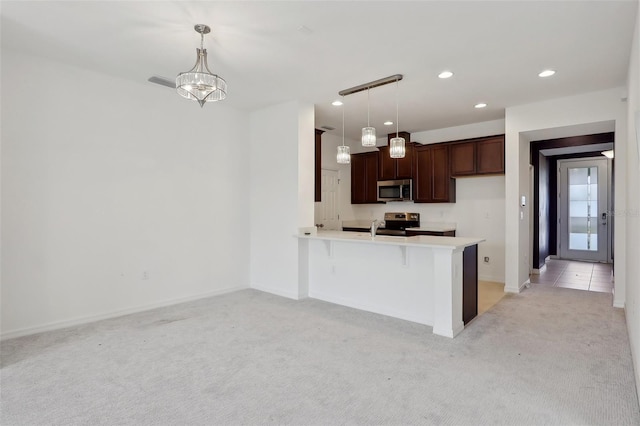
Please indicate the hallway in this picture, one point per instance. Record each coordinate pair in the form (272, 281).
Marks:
(576, 275)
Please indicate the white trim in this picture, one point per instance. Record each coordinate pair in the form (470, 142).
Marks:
(617, 303)
(277, 292)
(521, 287)
(491, 278)
(538, 271)
(56, 325)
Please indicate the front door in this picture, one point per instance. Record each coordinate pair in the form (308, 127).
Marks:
(583, 209)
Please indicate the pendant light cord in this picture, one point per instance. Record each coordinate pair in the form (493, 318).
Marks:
(342, 120)
(368, 107)
(397, 109)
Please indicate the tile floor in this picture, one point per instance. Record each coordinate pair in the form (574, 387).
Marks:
(489, 293)
(576, 275)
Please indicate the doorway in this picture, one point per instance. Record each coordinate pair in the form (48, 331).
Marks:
(546, 156)
(327, 215)
(584, 192)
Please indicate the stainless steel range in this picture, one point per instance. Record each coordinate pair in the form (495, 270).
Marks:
(396, 223)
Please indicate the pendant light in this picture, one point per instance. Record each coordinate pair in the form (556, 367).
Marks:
(199, 83)
(397, 148)
(344, 154)
(368, 133)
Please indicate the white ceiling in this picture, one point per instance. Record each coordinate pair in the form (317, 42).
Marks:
(271, 52)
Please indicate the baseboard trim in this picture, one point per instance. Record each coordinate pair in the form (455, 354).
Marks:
(527, 283)
(491, 278)
(276, 291)
(619, 304)
(538, 271)
(57, 325)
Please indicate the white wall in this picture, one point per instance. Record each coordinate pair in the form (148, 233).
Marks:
(104, 179)
(561, 117)
(281, 194)
(475, 130)
(632, 213)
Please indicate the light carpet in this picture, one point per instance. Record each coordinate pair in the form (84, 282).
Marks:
(546, 356)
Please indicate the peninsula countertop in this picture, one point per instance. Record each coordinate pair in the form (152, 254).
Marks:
(417, 241)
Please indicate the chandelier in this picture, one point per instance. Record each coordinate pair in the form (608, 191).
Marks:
(199, 83)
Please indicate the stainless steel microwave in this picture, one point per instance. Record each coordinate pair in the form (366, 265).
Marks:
(395, 190)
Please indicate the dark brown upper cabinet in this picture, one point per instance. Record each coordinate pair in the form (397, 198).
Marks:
(395, 168)
(490, 155)
(481, 156)
(432, 182)
(364, 178)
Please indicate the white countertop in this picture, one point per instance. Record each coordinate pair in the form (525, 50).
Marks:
(417, 241)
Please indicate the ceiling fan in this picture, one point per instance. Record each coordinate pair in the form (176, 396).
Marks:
(164, 81)
(199, 83)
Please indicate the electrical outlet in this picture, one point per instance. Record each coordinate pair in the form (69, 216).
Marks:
(486, 259)
(145, 275)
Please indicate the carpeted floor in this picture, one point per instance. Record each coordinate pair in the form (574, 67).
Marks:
(546, 356)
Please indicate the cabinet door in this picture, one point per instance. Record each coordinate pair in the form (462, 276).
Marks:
(422, 177)
(371, 174)
(364, 178)
(463, 159)
(490, 156)
(386, 164)
(441, 175)
(395, 168)
(404, 166)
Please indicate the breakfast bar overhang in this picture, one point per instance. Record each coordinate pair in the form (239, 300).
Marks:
(418, 278)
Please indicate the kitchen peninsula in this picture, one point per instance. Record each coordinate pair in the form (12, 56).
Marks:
(424, 279)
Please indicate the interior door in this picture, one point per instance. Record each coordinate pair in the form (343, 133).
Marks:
(326, 211)
(583, 216)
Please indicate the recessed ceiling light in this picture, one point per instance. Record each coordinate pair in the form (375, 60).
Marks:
(336, 103)
(480, 105)
(546, 73)
(388, 123)
(445, 74)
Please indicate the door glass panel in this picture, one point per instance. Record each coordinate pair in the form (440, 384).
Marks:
(583, 208)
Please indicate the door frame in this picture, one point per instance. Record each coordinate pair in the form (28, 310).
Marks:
(561, 214)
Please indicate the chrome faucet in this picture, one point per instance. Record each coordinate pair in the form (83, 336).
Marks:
(374, 227)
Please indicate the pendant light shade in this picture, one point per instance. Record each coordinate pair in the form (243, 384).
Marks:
(344, 153)
(397, 147)
(368, 133)
(199, 83)
(369, 136)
